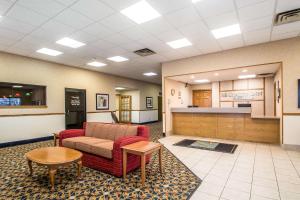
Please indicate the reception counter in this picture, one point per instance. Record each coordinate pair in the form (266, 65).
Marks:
(225, 123)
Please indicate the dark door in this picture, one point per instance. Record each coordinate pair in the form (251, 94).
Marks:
(75, 108)
(159, 108)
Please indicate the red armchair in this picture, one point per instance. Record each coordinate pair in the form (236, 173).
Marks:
(114, 165)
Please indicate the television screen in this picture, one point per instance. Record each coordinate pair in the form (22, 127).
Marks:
(10, 101)
(4, 102)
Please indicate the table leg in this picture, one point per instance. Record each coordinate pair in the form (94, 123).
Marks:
(79, 166)
(124, 163)
(52, 172)
(30, 167)
(160, 160)
(54, 136)
(143, 160)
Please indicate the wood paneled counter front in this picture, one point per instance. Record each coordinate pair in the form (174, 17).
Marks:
(225, 123)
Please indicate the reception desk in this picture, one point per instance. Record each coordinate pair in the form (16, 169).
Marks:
(225, 123)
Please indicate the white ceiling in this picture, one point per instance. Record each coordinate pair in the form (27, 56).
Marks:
(228, 74)
(28, 25)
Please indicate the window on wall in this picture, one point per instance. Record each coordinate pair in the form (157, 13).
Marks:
(15, 94)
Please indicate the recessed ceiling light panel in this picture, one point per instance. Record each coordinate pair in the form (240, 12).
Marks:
(140, 12)
(202, 81)
(150, 74)
(247, 76)
(226, 31)
(120, 88)
(196, 1)
(70, 43)
(49, 52)
(117, 59)
(96, 64)
(179, 43)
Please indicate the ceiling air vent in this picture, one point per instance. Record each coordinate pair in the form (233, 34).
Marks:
(144, 52)
(264, 75)
(287, 17)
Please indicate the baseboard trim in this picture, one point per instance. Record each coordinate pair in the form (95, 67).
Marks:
(293, 147)
(142, 123)
(20, 142)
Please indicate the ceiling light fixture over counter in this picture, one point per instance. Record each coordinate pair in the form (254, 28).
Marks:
(247, 76)
(120, 88)
(117, 59)
(179, 43)
(150, 74)
(70, 43)
(96, 64)
(196, 1)
(49, 52)
(140, 12)
(226, 31)
(202, 81)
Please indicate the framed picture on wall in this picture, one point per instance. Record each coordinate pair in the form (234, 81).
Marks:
(102, 101)
(149, 102)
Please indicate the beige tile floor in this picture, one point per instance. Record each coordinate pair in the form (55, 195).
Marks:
(255, 171)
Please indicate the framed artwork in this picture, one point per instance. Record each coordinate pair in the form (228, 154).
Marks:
(102, 101)
(149, 102)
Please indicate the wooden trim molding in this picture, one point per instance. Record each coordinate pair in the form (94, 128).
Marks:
(292, 114)
(103, 111)
(22, 107)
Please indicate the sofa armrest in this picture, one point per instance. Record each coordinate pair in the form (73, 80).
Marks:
(70, 133)
(143, 131)
(118, 144)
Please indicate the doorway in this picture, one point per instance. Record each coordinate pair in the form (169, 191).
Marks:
(75, 108)
(202, 98)
(159, 102)
(125, 109)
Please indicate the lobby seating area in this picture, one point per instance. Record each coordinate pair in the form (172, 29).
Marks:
(150, 99)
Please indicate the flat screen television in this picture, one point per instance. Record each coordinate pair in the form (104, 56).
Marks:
(10, 101)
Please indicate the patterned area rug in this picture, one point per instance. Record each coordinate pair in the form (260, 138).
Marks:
(177, 182)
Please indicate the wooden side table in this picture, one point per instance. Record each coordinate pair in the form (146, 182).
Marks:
(55, 138)
(142, 149)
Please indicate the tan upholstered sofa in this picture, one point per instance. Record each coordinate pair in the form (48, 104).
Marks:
(101, 144)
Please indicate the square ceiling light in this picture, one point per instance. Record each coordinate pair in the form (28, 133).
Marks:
(226, 31)
(202, 81)
(179, 43)
(140, 12)
(117, 59)
(49, 52)
(247, 76)
(69, 42)
(120, 88)
(96, 64)
(150, 74)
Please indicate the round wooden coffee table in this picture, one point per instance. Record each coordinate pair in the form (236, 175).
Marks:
(53, 157)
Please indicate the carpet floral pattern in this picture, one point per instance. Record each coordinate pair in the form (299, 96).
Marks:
(177, 182)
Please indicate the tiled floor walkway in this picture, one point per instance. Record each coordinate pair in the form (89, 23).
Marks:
(255, 171)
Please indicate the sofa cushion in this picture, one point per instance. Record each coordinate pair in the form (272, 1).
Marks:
(103, 149)
(71, 142)
(90, 127)
(113, 131)
(85, 145)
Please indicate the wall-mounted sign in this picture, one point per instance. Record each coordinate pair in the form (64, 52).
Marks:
(242, 95)
(75, 101)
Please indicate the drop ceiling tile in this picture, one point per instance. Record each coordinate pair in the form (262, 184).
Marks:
(191, 30)
(5, 5)
(84, 37)
(183, 16)
(206, 44)
(19, 51)
(16, 25)
(243, 3)
(257, 36)
(285, 28)
(119, 4)
(73, 19)
(167, 6)
(94, 9)
(255, 24)
(7, 41)
(281, 36)
(256, 11)
(132, 46)
(170, 36)
(231, 42)
(27, 16)
(56, 28)
(98, 29)
(214, 7)
(134, 33)
(116, 51)
(7, 33)
(48, 8)
(222, 20)
(117, 39)
(157, 26)
(117, 22)
(102, 45)
(50, 35)
(285, 5)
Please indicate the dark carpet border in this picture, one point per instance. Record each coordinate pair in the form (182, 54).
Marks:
(22, 142)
